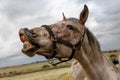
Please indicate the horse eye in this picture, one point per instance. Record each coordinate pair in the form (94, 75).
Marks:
(70, 27)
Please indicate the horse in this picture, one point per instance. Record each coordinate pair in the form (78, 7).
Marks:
(68, 39)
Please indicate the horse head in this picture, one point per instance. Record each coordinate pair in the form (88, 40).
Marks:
(59, 40)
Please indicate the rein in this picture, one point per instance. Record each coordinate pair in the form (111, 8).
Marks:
(56, 40)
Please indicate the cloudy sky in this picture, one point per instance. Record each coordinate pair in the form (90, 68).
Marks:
(103, 21)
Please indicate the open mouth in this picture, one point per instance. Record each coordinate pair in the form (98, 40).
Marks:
(30, 44)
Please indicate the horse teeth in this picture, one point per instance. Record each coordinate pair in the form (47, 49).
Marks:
(27, 44)
(23, 39)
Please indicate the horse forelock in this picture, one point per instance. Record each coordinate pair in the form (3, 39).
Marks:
(72, 19)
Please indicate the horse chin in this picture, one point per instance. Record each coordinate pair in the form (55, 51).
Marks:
(44, 52)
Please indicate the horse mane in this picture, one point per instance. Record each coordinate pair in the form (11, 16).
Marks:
(92, 39)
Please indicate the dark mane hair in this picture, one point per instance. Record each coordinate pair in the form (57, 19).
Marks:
(92, 39)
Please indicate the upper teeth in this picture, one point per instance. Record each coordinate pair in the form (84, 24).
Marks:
(23, 39)
(27, 44)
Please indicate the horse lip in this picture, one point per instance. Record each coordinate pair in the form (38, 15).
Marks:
(31, 49)
(30, 38)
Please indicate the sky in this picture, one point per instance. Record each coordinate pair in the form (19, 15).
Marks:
(103, 21)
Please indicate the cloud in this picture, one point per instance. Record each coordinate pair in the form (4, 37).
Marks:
(110, 42)
(18, 8)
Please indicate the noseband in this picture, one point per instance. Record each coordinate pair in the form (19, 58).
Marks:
(56, 40)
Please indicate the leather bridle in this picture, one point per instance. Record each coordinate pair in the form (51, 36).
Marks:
(56, 40)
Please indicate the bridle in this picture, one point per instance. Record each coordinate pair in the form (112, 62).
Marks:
(56, 40)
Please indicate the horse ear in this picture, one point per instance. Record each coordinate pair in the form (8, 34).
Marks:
(64, 18)
(84, 15)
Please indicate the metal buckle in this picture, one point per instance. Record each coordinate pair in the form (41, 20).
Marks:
(74, 47)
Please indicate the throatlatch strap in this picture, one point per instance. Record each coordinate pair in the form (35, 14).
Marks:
(61, 60)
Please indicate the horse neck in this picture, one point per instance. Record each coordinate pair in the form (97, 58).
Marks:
(95, 64)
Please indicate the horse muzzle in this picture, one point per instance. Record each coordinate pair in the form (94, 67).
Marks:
(30, 43)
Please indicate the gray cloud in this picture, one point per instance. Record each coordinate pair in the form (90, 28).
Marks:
(18, 8)
(109, 42)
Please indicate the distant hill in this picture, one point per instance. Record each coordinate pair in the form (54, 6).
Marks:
(19, 59)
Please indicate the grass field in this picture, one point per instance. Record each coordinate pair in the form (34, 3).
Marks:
(36, 71)
(41, 71)
(55, 74)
